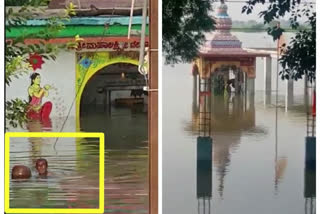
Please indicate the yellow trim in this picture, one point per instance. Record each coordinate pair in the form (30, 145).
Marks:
(93, 70)
(9, 135)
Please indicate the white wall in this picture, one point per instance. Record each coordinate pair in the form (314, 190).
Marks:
(61, 74)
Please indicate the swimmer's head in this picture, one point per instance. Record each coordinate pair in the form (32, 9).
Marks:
(42, 166)
(20, 172)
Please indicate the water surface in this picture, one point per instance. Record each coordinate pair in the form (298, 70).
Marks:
(245, 160)
(73, 164)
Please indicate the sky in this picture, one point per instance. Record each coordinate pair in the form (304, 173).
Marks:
(235, 7)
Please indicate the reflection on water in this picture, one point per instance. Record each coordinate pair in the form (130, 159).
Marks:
(230, 156)
(126, 157)
(73, 164)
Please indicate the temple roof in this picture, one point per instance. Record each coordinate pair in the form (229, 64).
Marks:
(223, 43)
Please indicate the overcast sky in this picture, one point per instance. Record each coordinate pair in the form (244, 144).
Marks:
(234, 11)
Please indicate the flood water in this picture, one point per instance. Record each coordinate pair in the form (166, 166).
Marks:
(72, 181)
(73, 164)
(227, 155)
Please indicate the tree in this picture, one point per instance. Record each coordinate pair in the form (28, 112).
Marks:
(299, 57)
(184, 24)
(17, 52)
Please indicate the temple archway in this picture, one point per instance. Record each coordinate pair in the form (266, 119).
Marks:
(229, 76)
(90, 64)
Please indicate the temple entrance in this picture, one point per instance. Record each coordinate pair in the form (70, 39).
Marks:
(229, 79)
(112, 103)
(118, 85)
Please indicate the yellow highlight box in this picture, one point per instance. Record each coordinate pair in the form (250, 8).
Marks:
(9, 135)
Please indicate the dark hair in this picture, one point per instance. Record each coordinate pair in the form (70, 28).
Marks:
(41, 160)
(33, 77)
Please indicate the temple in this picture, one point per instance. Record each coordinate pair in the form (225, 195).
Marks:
(220, 121)
(101, 71)
(223, 60)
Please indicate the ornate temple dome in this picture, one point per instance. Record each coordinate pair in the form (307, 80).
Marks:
(223, 41)
(223, 21)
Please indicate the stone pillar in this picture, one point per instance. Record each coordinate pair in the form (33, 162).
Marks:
(267, 99)
(289, 93)
(249, 97)
(267, 80)
(250, 85)
(267, 75)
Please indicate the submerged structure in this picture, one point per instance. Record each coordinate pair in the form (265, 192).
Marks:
(223, 60)
(100, 71)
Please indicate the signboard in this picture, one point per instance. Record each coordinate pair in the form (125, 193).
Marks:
(115, 45)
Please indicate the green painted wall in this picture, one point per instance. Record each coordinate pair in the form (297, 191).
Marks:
(73, 30)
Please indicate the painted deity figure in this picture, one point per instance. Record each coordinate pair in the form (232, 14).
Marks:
(36, 110)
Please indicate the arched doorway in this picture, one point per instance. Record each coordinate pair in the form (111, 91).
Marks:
(125, 130)
(119, 84)
(229, 76)
(89, 64)
(112, 98)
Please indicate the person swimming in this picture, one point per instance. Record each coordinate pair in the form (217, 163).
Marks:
(42, 167)
(24, 172)
(20, 172)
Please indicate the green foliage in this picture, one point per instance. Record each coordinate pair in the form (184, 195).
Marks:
(299, 58)
(17, 52)
(15, 67)
(16, 112)
(184, 24)
(275, 32)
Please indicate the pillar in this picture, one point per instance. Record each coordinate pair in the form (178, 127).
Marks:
(204, 167)
(267, 99)
(250, 82)
(195, 93)
(305, 84)
(267, 80)
(267, 75)
(289, 93)
(250, 86)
